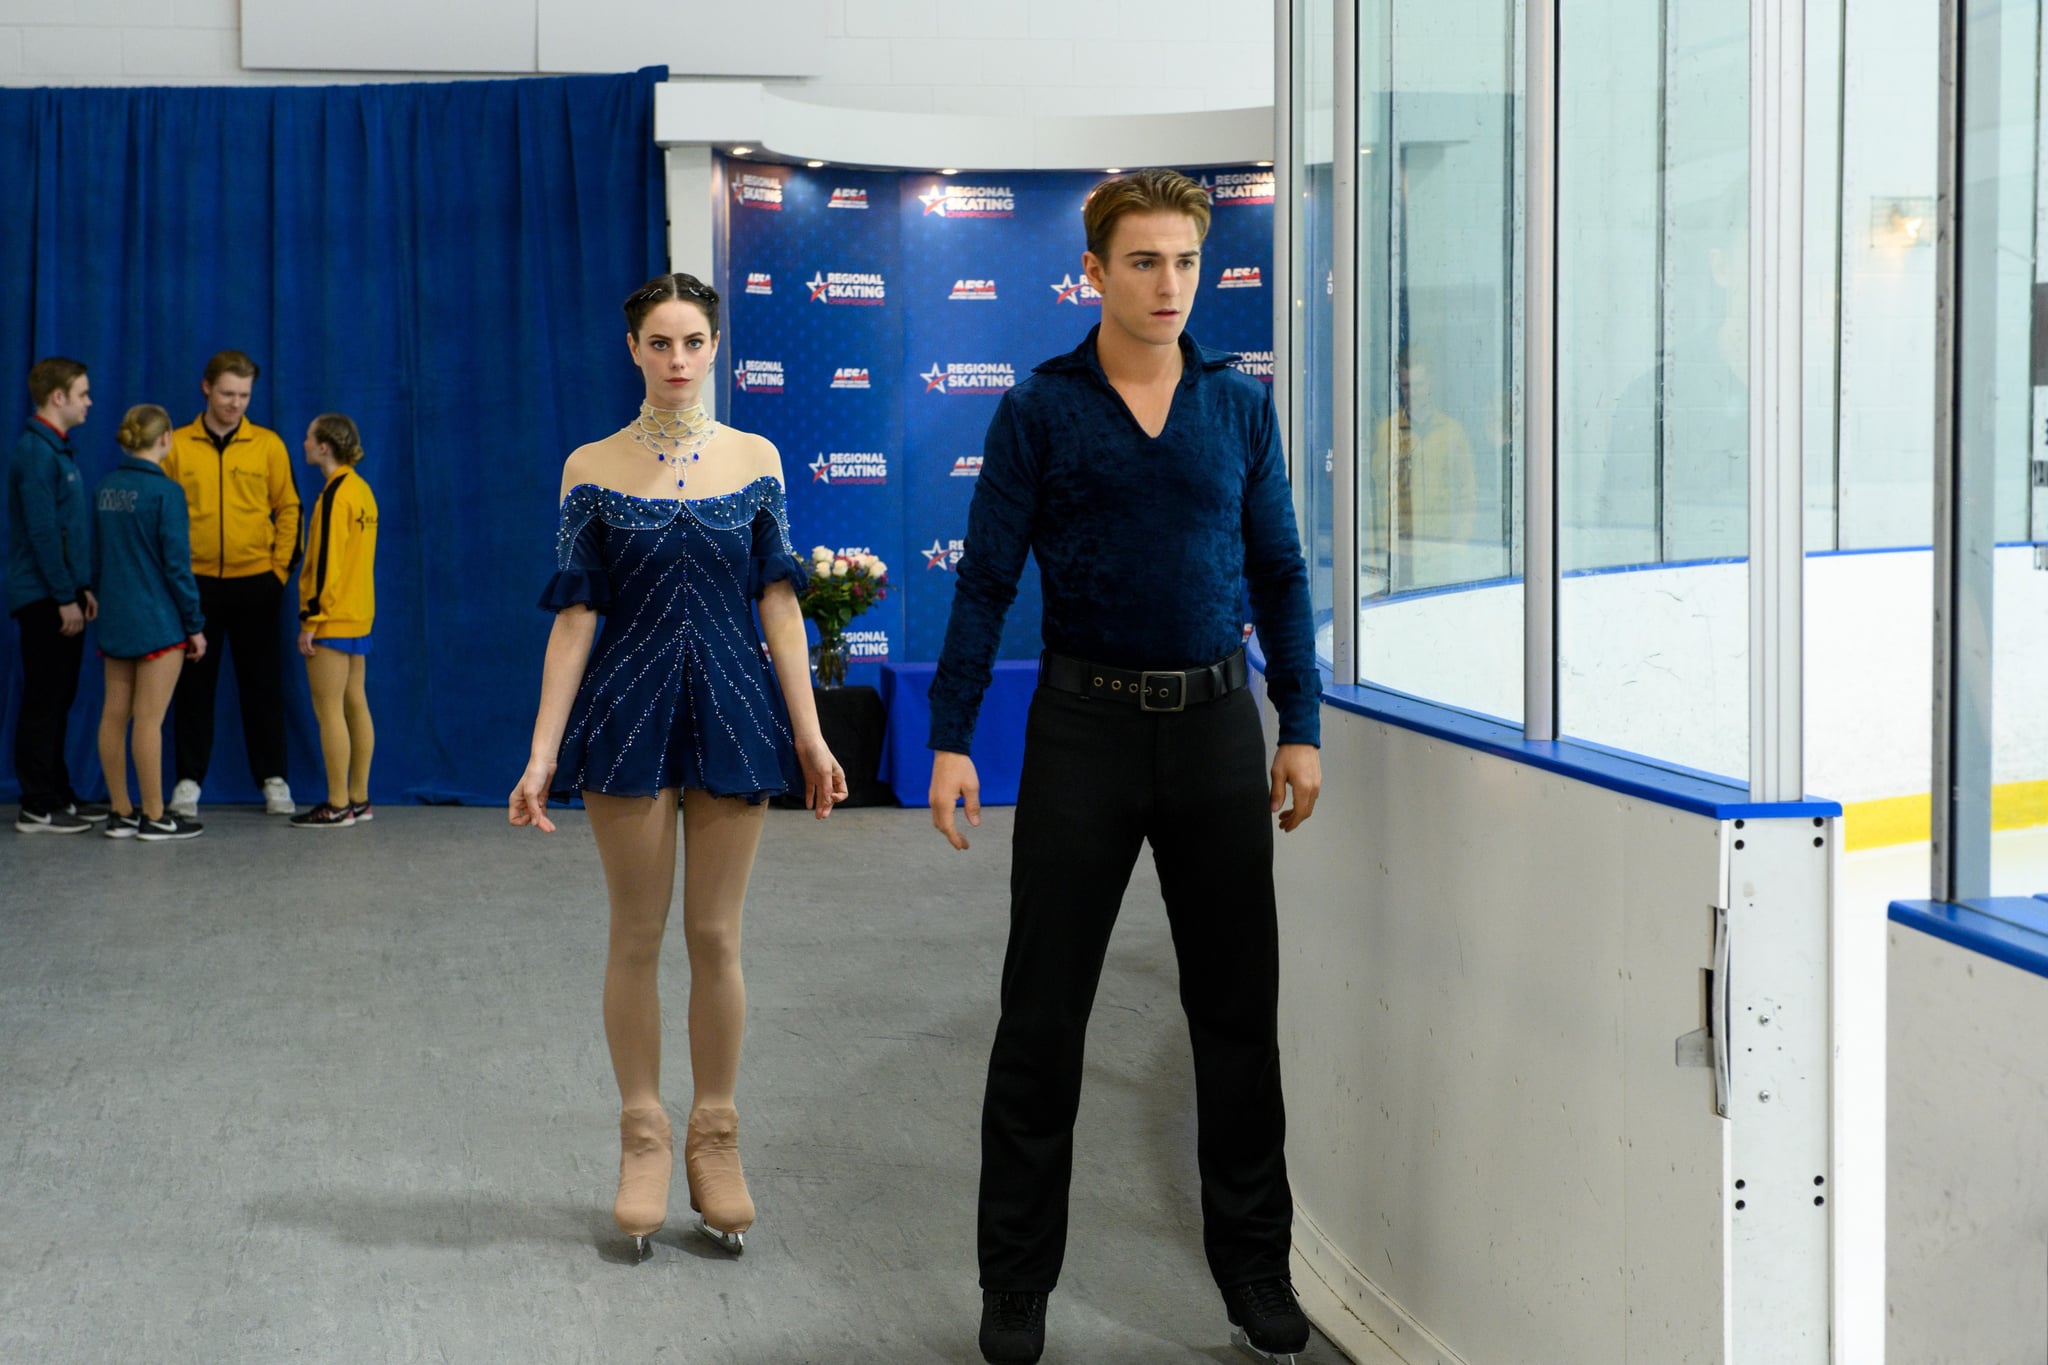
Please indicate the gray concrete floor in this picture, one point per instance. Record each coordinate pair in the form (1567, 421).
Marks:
(279, 1095)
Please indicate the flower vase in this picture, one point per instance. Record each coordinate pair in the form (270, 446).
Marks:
(828, 660)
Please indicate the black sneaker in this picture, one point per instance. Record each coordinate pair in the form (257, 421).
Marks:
(362, 812)
(324, 816)
(170, 827)
(121, 826)
(1268, 1317)
(50, 822)
(1012, 1326)
(91, 811)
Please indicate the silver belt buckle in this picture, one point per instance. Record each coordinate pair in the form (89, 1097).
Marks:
(1180, 701)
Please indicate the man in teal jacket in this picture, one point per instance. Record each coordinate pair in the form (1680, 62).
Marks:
(49, 593)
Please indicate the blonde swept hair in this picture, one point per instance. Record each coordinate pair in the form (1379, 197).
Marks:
(1147, 191)
(338, 433)
(142, 426)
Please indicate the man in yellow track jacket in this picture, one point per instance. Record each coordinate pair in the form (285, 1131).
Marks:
(245, 526)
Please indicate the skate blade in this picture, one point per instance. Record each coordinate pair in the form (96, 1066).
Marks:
(1244, 1343)
(733, 1242)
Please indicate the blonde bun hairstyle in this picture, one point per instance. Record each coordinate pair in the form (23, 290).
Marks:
(340, 436)
(142, 426)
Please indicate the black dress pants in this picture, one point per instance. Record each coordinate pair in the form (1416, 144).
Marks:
(242, 617)
(50, 662)
(1099, 781)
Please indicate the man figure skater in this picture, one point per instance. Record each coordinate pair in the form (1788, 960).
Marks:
(49, 593)
(245, 529)
(1146, 476)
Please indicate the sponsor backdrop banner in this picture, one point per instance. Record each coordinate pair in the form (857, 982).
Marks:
(875, 319)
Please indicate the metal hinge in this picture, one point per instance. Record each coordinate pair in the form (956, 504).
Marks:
(1707, 1047)
(2041, 473)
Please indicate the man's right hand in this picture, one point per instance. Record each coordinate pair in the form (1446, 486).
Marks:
(954, 780)
(70, 618)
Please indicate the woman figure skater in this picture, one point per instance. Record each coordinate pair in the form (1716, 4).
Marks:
(337, 604)
(149, 619)
(673, 528)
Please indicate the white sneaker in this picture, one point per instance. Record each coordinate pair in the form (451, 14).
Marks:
(277, 797)
(185, 799)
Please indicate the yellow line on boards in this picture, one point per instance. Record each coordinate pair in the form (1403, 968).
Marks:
(1894, 820)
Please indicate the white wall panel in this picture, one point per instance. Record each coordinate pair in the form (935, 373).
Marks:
(1485, 968)
(1499, 1155)
(690, 37)
(1968, 1215)
(389, 35)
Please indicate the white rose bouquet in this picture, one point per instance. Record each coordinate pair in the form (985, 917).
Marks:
(841, 588)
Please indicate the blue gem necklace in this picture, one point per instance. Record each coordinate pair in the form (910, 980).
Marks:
(677, 438)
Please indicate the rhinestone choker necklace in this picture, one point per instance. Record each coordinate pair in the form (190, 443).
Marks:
(677, 437)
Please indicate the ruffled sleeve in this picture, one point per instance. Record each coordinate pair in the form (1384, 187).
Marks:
(774, 557)
(580, 578)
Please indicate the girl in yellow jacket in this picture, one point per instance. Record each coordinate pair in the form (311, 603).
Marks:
(337, 600)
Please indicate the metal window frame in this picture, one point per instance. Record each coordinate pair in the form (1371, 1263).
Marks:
(1539, 374)
(1347, 258)
(1777, 480)
(1289, 397)
(1963, 527)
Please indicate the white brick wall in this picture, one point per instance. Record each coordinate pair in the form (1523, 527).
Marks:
(999, 57)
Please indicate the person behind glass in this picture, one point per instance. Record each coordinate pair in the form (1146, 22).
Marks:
(49, 593)
(337, 602)
(1145, 476)
(245, 528)
(149, 623)
(1425, 458)
(673, 528)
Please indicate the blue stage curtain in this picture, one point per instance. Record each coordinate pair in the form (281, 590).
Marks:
(444, 263)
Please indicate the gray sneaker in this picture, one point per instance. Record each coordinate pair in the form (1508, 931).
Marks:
(168, 828)
(50, 822)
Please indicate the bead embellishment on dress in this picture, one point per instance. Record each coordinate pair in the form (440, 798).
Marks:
(673, 434)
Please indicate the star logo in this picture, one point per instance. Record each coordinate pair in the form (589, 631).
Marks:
(818, 286)
(821, 469)
(934, 378)
(934, 200)
(1071, 290)
(937, 555)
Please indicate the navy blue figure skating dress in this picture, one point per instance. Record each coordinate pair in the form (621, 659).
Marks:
(678, 692)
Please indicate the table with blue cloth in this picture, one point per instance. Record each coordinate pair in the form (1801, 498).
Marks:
(998, 751)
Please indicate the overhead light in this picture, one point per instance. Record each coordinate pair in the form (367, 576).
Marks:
(741, 151)
(949, 170)
(814, 164)
(1902, 223)
(1262, 163)
(1113, 170)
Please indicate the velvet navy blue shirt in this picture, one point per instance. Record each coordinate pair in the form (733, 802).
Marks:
(1143, 543)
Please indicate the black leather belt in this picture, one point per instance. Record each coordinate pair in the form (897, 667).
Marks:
(1147, 689)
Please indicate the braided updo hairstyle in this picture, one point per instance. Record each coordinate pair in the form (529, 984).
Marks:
(142, 426)
(340, 436)
(663, 288)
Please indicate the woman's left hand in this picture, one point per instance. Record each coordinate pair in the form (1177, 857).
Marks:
(824, 779)
(306, 643)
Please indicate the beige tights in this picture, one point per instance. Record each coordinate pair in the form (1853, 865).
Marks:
(341, 703)
(138, 691)
(636, 840)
